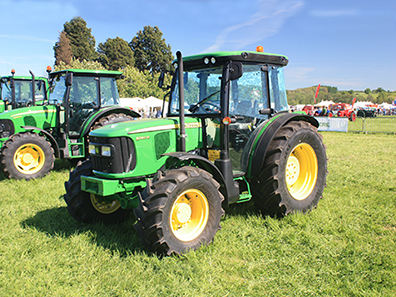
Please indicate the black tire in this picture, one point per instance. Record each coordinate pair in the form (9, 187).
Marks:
(111, 119)
(352, 116)
(84, 206)
(166, 197)
(280, 188)
(27, 156)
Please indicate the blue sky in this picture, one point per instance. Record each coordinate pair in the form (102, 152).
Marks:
(349, 44)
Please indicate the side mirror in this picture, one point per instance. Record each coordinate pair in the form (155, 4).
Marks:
(266, 111)
(236, 70)
(161, 79)
(69, 79)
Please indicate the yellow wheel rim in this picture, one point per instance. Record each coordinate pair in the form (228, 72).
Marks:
(301, 171)
(189, 215)
(29, 159)
(103, 207)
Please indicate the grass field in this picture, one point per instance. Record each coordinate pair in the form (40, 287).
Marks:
(385, 124)
(345, 247)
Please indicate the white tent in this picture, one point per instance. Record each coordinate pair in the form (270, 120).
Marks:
(385, 105)
(133, 103)
(361, 104)
(148, 105)
(324, 103)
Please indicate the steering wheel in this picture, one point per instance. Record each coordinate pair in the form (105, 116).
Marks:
(211, 107)
(89, 105)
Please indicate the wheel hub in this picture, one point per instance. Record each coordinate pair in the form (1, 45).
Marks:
(183, 213)
(292, 170)
(104, 207)
(301, 171)
(29, 159)
(189, 215)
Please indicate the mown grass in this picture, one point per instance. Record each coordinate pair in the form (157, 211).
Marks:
(345, 247)
(384, 124)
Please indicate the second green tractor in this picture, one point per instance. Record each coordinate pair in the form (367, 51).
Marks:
(32, 135)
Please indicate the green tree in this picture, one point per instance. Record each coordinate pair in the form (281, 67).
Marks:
(77, 64)
(81, 40)
(151, 51)
(379, 90)
(140, 84)
(367, 91)
(62, 49)
(115, 54)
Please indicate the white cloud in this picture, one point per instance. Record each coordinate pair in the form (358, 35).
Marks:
(333, 13)
(267, 21)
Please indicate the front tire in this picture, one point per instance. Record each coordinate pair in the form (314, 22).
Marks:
(86, 207)
(180, 210)
(27, 156)
(294, 171)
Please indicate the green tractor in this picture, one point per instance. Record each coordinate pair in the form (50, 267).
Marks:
(17, 91)
(228, 138)
(80, 101)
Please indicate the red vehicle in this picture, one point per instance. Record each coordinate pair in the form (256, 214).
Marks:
(344, 110)
(309, 109)
(317, 112)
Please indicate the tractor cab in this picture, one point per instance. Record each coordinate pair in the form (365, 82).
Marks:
(22, 91)
(232, 93)
(81, 93)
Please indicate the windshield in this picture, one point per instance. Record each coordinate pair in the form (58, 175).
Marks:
(84, 90)
(58, 90)
(201, 92)
(108, 91)
(23, 91)
(247, 95)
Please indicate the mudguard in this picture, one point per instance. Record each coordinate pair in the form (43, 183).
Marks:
(51, 139)
(205, 164)
(257, 149)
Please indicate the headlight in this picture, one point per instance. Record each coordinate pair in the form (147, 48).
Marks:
(100, 150)
(92, 149)
(106, 151)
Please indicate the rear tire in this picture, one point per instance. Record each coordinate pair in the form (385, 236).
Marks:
(111, 119)
(27, 156)
(294, 172)
(86, 207)
(180, 210)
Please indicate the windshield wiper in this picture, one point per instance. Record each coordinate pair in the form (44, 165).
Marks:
(196, 106)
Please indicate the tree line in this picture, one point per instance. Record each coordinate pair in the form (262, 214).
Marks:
(141, 59)
(147, 54)
(330, 93)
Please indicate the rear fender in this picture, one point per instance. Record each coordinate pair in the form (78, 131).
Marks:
(104, 112)
(259, 146)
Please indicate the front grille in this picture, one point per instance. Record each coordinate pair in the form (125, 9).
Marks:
(162, 143)
(123, 160)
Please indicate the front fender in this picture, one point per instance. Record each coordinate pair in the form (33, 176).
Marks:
(204, 164)
(51, 139)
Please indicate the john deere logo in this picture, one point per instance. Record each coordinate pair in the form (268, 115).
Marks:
(142, 137)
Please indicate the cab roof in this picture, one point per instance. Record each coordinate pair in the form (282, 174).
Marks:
(241, 56)
(88, 72)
